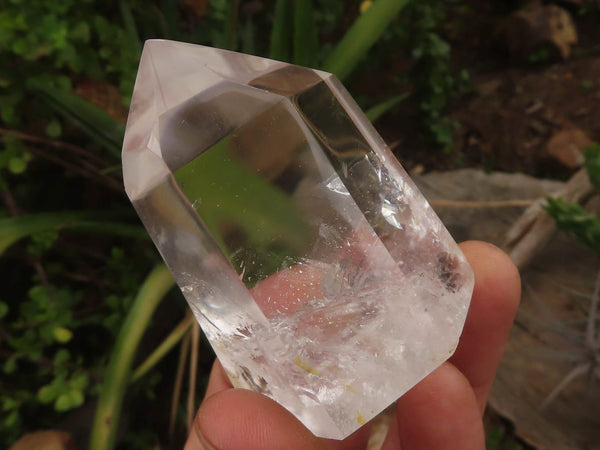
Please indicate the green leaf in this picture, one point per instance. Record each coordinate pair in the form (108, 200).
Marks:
(3, 309)
(229, 36)
(10, 365)
(240, 198)
(54, 129)
(47, 394)
(81, 32)
(41, 242)
(306, 39)
(375, 112)
(575, 221)
(97, 124)
(592, 165)
(168, 343)
(118, 372)
(13, 229)
(79, 381)
(11, 419)
(8, 403)
(365, 31)
(494, 438)
(69, 400)
(281, 34)
(62, 334)
(61, 357)
(130, 27)
(17, 165)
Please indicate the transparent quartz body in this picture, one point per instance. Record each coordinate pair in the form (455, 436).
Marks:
(317, 271)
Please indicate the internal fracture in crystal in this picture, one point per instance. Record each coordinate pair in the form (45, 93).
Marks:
(316, 269)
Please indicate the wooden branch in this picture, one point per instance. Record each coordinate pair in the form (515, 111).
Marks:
(52, 143)
(535, 227)
(476, 204)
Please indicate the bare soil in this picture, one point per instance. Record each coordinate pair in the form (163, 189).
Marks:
(505, 121)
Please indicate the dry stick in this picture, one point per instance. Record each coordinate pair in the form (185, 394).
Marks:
(572, 375)
(590, 335)
(51, 143)
(11, 203)
(479, 203)
(535, 227)
(91, 172)
(193, 373)
(79, 277)
(183, 352)
(94, 175)
(40, 271)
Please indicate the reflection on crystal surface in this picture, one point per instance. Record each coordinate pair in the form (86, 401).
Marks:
(316, 269)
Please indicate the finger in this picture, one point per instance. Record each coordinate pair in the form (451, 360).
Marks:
(240, 419)
(287, 290)
(493, 307)
(218, 380)
(438, 413)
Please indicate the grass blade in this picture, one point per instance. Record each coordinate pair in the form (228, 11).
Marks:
(183, 352)
(130, 27)
(365, 31)
(93, 121)
(570, 377)
(170, 341)
(375, 112)
(306, 39)
(13, 229)
(281, 36)
(231, 25)
(240, 199)
(118, 372)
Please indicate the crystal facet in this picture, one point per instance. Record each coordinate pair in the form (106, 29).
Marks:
(318, 272)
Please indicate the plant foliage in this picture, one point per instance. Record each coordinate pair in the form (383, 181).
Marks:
(573, 218)
(435, 83)
(78, 299)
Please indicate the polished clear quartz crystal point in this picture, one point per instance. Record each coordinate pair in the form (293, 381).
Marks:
(318, 272)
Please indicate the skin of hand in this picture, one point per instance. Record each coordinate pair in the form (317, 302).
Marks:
(443, 411)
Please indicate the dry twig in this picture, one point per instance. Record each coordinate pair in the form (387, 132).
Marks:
(535, 227)
(183, 352)
(193, 374)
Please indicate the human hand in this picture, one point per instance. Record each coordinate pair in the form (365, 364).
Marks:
(443, 411)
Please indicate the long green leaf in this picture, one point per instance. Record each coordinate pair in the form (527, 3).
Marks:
(375, 112)
(226, 191)
(118, 372)
(365, 31)
(15, 228)
(231, 25)
(99, 125)
(169, 21)
(170, 341)
(306, 39)
(130, 27)
(281, 34)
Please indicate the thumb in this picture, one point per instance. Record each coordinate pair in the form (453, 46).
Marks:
(240, 419)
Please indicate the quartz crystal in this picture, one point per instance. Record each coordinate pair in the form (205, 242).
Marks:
(318, 272)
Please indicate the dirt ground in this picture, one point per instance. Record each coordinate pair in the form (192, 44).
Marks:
(513, 108)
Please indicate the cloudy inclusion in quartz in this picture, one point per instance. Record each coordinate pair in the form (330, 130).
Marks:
(318, 272)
